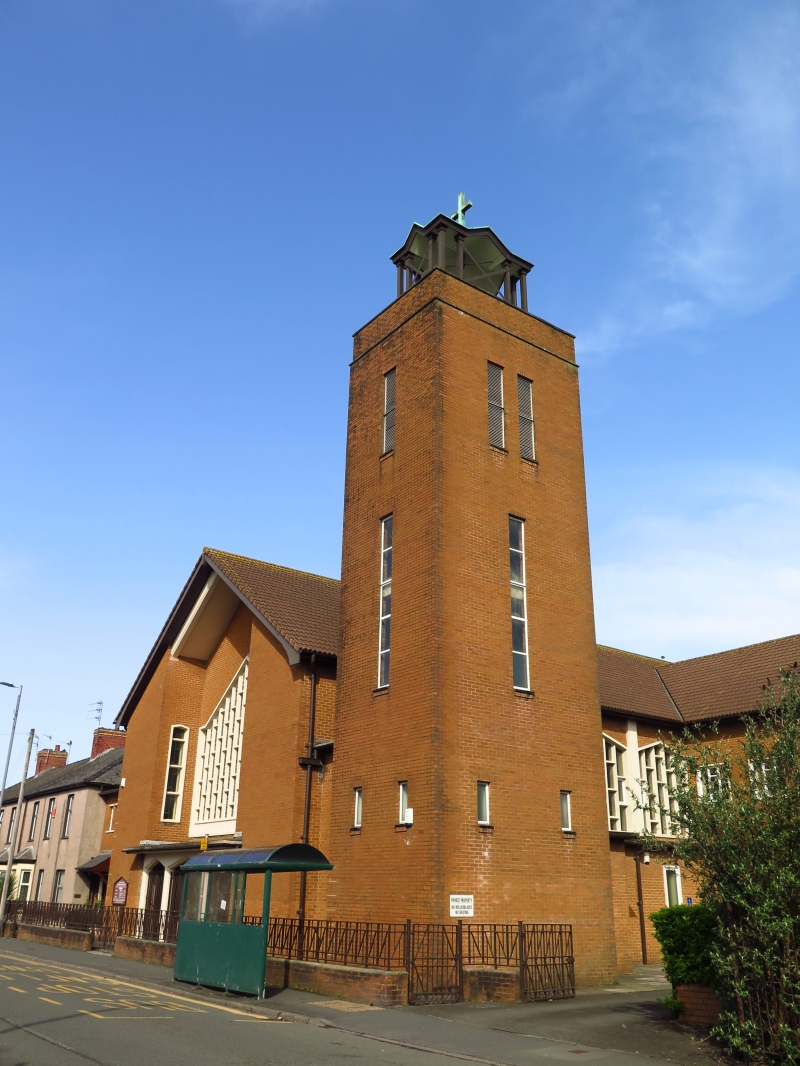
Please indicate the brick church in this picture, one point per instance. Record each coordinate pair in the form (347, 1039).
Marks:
(441, 721)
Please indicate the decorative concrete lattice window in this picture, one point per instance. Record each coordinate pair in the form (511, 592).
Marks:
(219, 758)
(615, 786)
(657, 783)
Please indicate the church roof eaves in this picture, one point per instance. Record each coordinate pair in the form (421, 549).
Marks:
(300, 609)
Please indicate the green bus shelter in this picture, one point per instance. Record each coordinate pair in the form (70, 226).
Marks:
(218, 943)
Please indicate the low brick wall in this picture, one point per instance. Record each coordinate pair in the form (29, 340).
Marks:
(490, 986)
(154, 951)
(76, 939)
(700, 1004)
(381, 988)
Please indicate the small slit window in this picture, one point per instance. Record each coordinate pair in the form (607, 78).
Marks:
(566, 811)
(483, 803)
(357, 808)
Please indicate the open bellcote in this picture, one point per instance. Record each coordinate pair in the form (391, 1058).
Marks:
(476, 256)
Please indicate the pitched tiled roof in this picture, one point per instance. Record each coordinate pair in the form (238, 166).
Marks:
(729, 682)
(303, 607)
(630, 683)
(104, 769)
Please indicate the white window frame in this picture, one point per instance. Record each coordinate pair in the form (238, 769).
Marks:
(181, 777)
(709, 779)
(484, 790)
(58, 886)
(112, 810)
(69, 806)
(404, 810)
(523, 586)
(34, 820)
(39, 886)
(657, 803)
(358, 801)
(677, 871)
(200, 826)
(11, 824)
(565, 792)
(385, 598)
(616, 785)
(24, 884)
(50, 817)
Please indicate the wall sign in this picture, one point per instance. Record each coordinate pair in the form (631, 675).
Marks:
(120, 894)
(462, 906)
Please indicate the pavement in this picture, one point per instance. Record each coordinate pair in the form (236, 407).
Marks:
(64, 1008)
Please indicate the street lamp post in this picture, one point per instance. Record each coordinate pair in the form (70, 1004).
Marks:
(7, 684)
(16, 831)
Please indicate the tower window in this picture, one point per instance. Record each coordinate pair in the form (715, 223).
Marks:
(483, 803)
(497, 429)
(357, 810)
(519, 620)
(406, 813)
(174, 785)
(388, 410)
(566, 811)
(525, 401)
(384, 636)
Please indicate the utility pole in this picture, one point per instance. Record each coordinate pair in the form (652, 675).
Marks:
(7, 684)
(13, 843)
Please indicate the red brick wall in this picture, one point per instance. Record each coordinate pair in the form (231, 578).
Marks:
(451, 716)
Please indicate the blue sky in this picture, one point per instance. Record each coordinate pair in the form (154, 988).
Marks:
(198, 199)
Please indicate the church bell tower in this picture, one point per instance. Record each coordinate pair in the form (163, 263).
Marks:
(468, 721)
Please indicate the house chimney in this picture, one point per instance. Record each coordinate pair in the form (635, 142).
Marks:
(49, 757)
(105, 739)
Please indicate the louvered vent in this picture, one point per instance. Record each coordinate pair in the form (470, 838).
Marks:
(497, 436)
(525, 396)
(388, 411)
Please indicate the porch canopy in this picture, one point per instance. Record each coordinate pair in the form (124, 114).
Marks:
(222, 941)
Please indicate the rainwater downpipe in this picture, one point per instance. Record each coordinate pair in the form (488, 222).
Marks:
(301, 912)
(640, 902)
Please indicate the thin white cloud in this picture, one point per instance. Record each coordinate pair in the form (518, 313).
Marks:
(714, 567)
(712, 116)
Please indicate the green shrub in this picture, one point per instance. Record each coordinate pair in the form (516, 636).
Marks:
(686, 936)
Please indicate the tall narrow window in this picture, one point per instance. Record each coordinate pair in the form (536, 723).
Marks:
(388, 410)
(406, 813)
(357, 810)
(497, 428)
(615, 786)
(58, 886)
(672, 885)
(24, 884)
(483, 803)
(173, 790)
(525, 399)
(566, 811)
(519, 621)
(384, 638)
(34, 820)
(67, 816)
(11, 822)
(112, 810)
(39, 886)
(51, 814)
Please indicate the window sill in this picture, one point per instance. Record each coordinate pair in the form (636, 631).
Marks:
(524, 693)
(387, 454)
(497, 448)
(403, 827)
(355, 830)
(380, 691)
(568, 832)
(530, 462)
(485, 827)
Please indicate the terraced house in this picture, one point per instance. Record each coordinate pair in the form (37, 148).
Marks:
(440, 723)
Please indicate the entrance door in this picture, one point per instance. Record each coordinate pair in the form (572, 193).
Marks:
(152, 905)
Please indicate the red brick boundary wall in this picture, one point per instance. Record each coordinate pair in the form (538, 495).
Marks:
(700, 1004)
(381, 988)
(76, 939)
(154, 951)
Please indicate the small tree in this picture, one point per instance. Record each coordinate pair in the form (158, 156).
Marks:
(736, 816)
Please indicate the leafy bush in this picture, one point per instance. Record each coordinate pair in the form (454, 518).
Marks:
(686, 936)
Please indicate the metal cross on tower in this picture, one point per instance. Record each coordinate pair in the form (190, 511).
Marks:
(463, 206)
